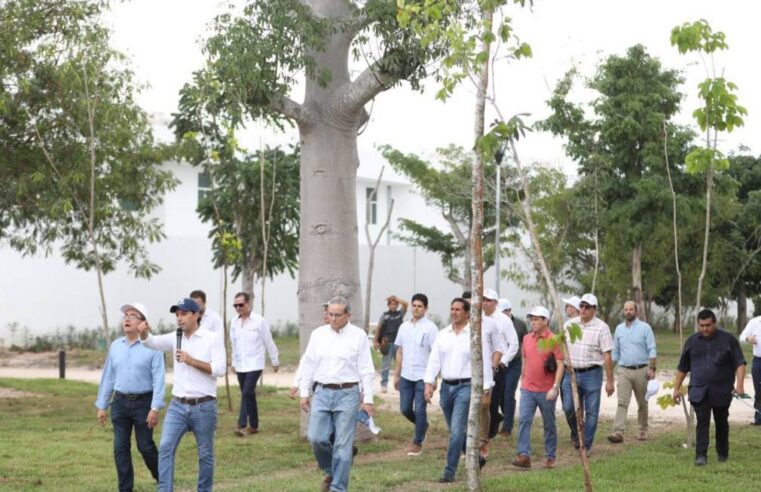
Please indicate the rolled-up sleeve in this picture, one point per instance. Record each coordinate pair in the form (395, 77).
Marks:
(651, 350)
(218, 360)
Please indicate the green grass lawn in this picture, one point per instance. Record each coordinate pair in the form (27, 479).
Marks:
(51, 442)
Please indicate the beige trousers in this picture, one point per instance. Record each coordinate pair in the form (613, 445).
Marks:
(631, 381)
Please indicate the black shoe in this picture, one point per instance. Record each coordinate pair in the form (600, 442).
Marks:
(700, 461)
(755, 423)
(723, 458)
(446, 480)
(481, 462)
(354, 452)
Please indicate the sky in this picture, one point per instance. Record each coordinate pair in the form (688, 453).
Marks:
(163, 39)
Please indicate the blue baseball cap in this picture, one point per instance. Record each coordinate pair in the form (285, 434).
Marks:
(185, 304)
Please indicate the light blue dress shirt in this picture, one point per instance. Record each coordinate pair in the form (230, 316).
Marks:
(131, 369)
(633, 345)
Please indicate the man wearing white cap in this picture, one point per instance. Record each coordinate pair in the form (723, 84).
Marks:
(513, 370)
(132, 384)
(541, 374)
(572, 306)
(509, 359)
(588, 355)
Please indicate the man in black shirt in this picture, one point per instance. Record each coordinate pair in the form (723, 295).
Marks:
(715, 361)
(385, 335)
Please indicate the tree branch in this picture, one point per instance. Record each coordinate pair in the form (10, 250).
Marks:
(353, 96)
(292, 110)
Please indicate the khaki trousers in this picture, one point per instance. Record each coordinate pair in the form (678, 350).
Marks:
(631, 380)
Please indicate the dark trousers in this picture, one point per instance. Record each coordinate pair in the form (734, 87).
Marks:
(703, 411)
(497, 401)
(512, 377)
(249, 413)
(756, 373)
(126, 414)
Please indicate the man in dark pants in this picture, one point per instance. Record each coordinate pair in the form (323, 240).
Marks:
(714, 360)
(513, 373)
(752, 334)
(135, 376)
(388, 327)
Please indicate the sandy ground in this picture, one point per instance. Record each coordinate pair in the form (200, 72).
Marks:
(740, 411)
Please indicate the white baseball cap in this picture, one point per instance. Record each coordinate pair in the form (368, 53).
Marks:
(572, 301)
(540, 311)
(653, 386)
(490, 294)
(590, 299)
(139, 307)
(504, 304)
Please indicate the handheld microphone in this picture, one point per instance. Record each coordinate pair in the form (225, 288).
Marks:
(179, 341)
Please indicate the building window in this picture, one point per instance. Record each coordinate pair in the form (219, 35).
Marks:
(204, 185)
(371, 214)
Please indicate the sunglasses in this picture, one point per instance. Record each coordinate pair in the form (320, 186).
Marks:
(238, 306)
(586, 306)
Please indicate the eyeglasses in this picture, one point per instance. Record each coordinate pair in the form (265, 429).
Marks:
(133, 317)
(238, 306)
(335, 315)
(585, 306)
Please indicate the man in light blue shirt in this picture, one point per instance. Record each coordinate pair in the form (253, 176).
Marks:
(132, 384)
(414, 342)
(634, 352)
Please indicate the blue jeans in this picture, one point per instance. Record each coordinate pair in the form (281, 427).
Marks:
(126, 414)
(386, 363)
(333, 410)
(756, 373)
(413, 406)
(511, 384)
(589, 385)
(199, 419)
(455, 403)
(530, 401)
(249, 412)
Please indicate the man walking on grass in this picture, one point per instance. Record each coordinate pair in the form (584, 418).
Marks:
(132, 384)
(714, 360)
(541, 374)
(414, 342)
(385, 335)
(634, 352)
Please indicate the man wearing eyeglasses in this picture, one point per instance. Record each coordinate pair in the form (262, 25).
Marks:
(588, 355)
(338, 363)
(132, 384)
(250, 336)
(198, 362)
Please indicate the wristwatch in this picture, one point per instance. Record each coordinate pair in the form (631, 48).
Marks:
(154, 409)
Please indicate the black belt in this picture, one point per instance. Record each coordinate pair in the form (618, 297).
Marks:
(194, 401)
(132, 397)
(455, 382)
(634, 368)
(338, 386)
(585, 369)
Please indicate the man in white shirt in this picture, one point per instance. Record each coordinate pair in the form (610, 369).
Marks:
(509, 368)
(250, 336)
(450, 357)
(414, 342)
(752, 334)
(210, 319)
(199, 359)
(338, 360)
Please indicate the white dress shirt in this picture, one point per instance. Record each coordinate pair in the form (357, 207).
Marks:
(249, 338)
(337, 357)
(492, 337)
(753, 328)
(212, 321)
(203, 345)
(509, 335)
(450, 357)
(416, 338)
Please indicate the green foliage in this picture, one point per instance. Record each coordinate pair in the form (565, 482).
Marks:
(66, 99)
(700, 159)
(697, 36)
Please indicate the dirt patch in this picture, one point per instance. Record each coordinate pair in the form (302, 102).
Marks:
(14, 393)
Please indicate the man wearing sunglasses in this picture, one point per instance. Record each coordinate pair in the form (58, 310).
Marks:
(588, 355)
(250, 336)
(132, 384)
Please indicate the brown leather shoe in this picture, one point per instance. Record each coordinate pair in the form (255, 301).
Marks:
(252, 430)
(240, 432)
(642, 436)
(504, 433)
(522, 461)
(549, 462)
(616, 438)
(325, 485)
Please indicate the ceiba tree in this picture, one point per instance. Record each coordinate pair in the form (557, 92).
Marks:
(259, 55)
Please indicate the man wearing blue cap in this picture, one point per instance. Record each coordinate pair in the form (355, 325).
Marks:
(199, 359)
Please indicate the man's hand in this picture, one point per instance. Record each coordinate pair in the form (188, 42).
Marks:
(102, 415)
(396, 383)
(275, 368)
(486, 398)
(305, 404)
(740, 388)
(293, 392)
(610, 387)
(143, 329)
(650, 374)
(552, 394)
(185, 358)
(368, 407)
(752, 339)
(376, 345)
(428, 392)
(153, 419)
(677, 395)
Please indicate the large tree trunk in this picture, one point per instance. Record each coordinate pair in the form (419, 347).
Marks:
(637, 280)
(247, 280)
(742, 311)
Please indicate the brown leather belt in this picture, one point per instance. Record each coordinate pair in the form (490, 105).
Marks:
(194, 401)
(338, 386)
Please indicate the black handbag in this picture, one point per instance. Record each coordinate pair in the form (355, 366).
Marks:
(550, 364)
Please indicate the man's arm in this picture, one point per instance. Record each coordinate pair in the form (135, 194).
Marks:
(159, 383)
(104, 390)
(512, 342)
(740, 379)
(398, 366)
(609, 380)
(269, 343)
(678, 380)
(616, 352)
(367, 372)
(405, 304)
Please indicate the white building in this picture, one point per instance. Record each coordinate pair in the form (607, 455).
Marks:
(45, 294)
